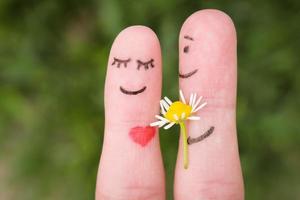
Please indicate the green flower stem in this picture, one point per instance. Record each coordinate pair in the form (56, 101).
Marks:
(185, 145)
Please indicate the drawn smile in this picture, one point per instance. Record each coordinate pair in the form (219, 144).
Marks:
(135, 92)
(187, 75)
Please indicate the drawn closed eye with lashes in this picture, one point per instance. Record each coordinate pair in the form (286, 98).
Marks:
(146, 65)
(119, 62)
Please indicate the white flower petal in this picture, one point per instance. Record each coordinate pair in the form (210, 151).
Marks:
(194, 118)
(166, 106)
(182, 97)
(161, 118)
(196, 104)
(162, 108)
(157, 123)
(162, 124)
(168, 100)
(201, 106)
(169, 125)
(192, 99)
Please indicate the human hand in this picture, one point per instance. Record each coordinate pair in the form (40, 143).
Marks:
(131, 166)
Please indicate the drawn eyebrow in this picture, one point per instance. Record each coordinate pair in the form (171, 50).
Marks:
(188, 37)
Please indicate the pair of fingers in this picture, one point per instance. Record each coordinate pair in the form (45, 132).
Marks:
(131, 164)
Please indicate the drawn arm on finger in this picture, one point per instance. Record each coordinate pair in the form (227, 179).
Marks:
(201, 137)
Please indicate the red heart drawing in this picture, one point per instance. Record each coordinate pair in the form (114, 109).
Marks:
(142, 135)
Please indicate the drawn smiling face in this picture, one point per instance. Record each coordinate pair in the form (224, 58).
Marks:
(133, 58)
(133, 71)
(194, 42)
(186, 47)
(140, 65)
(188, 56)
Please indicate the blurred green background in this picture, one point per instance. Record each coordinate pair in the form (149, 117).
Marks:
(53, 55)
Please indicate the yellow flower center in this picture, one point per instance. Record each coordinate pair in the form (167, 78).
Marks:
(178, 111)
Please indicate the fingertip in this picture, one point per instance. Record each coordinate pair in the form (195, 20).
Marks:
(214, 19)
(212, 28)
(142, 32)
(207, 66)
(131, 164)
(133, 37)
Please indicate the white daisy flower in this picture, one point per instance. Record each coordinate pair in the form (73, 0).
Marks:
(177, 113)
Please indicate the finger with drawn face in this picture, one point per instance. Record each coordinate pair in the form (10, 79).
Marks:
(207, 67)
(131, 163)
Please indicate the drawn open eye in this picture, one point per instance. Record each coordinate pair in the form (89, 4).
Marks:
(146, 65)
(119, 62)
(186, 49)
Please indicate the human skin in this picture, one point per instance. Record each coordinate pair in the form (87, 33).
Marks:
(131, 166)
(127, 169)
(214, 171)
